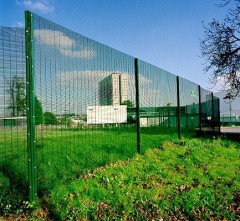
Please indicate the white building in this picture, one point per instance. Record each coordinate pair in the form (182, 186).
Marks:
(107, 114)
(113, 90)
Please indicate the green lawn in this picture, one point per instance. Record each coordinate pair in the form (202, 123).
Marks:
(64, 155)
(197, 179)
(191, 179)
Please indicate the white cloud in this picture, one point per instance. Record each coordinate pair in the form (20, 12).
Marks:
(55, 38)
(43, 6)
(218, 84)
(64, 43)
(85, 53)
(18, 24)
(82, 76)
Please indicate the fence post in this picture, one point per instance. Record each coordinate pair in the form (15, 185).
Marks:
(200, 109)
(169, 119)
(213, 117)
(178, 110)
(137, 104)
(30, 97)
(219, 117)
(186, 111)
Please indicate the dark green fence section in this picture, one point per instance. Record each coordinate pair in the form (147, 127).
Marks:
(13, 120)
(189, 104)
(158, 102)
(87, 105)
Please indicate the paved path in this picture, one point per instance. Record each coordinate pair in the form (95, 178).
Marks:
(230, 130)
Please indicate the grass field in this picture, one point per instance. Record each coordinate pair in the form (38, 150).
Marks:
(194, 179)
(190, 179)
(64, 155)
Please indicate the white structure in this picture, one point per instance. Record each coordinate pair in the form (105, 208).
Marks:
(107, 114)
(113, 90)
(149, 121)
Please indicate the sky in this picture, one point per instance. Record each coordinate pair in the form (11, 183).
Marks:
(165, 33)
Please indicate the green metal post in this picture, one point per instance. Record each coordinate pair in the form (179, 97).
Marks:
(186, 111)
(168, 119)
(137, 105)
(213, 117)
(219, 117)
(178, 110)
(30, 107)
(200, 110)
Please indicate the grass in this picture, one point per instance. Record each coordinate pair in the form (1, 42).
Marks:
(190, 180)
(62, 156)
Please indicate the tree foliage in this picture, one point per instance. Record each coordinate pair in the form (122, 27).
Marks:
(49, 118)
(17, 96)
(221, 49)
(38, 112)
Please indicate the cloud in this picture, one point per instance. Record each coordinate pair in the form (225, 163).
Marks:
(83, 76)
(55, 38)
(85, 53)
(66, 45)
(43, 6)
(18, 24)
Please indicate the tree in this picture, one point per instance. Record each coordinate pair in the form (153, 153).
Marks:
(221, 49)
(38, 112)
(17, 96)
(128, 103)
(49, 118)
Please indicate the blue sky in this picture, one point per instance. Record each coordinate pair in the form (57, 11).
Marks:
(164, 33)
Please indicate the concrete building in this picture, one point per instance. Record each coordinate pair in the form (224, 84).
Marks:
(113, 90)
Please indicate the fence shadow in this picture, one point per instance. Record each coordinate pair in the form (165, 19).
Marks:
(17, 179)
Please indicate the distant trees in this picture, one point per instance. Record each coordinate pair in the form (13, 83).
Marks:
(49, 118)
(17, 104)
(38, 112)
(221, 49)
(17, 96)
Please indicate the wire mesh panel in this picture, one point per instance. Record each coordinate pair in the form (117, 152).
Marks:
(85, 94)
(13, 155)
(91, 104)
(206, 110)
(158, 104)
(189, 105)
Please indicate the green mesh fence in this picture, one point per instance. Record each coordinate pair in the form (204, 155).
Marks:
(189, 104)
(158, 105)
(88, 105)
(84, 89)
(13, 126)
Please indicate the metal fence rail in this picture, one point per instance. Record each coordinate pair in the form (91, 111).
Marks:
(88, 105)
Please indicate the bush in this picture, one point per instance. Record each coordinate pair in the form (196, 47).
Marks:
(49, 118)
